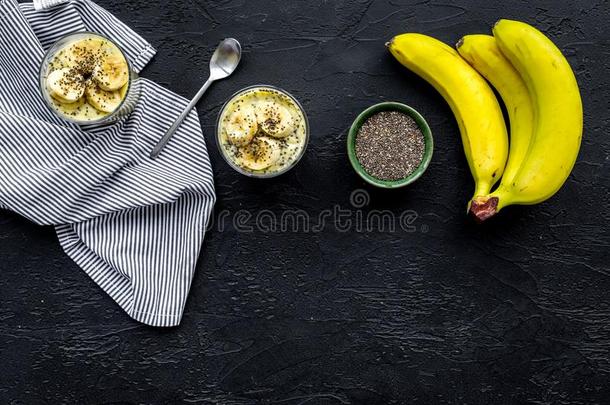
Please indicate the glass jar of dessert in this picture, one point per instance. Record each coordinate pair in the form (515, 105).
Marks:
(262, 131)
(86, 78)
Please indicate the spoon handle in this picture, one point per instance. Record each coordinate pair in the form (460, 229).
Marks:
(170, 132)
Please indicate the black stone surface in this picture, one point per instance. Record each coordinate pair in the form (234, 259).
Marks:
(513, 311)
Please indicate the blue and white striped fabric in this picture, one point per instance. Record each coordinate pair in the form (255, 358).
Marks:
(133, 224)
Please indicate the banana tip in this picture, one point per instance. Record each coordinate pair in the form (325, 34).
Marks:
(389, 43)
(460, 43)
(483, 208)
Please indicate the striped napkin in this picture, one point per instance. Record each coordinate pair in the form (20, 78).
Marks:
(134, 225)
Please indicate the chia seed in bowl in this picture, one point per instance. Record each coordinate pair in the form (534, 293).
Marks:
(390, 145)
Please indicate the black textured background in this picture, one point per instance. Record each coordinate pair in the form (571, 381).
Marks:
(514, 311)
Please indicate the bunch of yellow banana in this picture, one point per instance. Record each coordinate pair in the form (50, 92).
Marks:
(542, 98)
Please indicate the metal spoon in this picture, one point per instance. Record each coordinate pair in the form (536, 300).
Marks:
(224, 61)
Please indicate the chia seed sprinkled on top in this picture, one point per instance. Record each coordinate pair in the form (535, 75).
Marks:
(390, 145)
(87, 57)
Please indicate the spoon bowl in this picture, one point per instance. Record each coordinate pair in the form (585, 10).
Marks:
(225, 59)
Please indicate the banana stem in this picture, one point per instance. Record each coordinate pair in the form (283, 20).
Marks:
(483, 207)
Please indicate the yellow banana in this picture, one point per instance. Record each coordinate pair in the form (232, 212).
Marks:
(472, 101)
(483, 54)
(558, 119)
(111, 72)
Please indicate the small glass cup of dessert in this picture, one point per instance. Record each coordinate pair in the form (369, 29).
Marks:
(86, 78)
(262, 131)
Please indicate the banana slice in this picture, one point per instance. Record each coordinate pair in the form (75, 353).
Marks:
(72, 108)
(102, 100)
(80, 110)
(259, 154)
(84, 53)
(241, 126)
(62, 59)
(111, 73)
(275, 119)
(65, 85)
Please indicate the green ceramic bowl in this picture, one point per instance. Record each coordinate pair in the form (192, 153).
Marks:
(390, 106)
